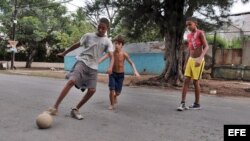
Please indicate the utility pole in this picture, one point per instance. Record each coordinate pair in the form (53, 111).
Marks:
(213, 54)
(13, 33)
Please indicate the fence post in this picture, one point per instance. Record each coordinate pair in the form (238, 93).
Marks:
(213, 54)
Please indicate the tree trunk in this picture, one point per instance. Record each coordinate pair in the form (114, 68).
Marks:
(173, 73)
(175, 27)
(30, 58)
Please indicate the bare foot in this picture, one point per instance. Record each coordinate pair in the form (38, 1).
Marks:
(111, 107)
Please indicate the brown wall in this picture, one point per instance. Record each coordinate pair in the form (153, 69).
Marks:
(228, 56)
(246, 54)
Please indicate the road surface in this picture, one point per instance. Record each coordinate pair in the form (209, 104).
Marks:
(143, 114)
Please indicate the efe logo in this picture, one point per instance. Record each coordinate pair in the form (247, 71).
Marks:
(236, 132)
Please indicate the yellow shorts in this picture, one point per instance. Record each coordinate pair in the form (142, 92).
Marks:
(192, 71)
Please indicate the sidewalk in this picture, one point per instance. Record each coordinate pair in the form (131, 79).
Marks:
(40, 65)
(56, 70)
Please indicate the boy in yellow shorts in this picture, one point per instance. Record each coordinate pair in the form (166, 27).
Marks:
(198, 47)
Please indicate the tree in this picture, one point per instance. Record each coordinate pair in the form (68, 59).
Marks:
(102, 8)
(42, 24)
(37, 21)
(109, 8)
(170, 16)
(74, 29)
(150, 33)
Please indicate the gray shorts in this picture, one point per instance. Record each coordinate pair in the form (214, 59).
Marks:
(85, 76)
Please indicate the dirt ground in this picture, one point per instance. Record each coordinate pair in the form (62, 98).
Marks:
(208, 86)
(226, 88)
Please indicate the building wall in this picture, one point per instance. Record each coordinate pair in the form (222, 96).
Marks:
(146, 63)
(148, 58)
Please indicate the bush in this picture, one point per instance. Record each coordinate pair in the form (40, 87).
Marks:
(237, 43)
(219, 42)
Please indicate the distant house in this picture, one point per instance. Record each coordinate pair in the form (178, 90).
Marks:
(233, 32)
(243, 22)
(239, 27)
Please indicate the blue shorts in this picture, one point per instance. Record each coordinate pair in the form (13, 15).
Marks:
(116, 82)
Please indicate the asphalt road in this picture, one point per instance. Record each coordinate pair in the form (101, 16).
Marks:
(143, 114)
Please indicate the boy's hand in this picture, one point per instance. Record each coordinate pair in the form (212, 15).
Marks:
(61, 54)
(197, 64)
(109, 71)
(99, 61)
(198, 61)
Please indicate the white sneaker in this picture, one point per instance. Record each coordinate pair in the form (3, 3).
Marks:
(182, 107)
(76, 114)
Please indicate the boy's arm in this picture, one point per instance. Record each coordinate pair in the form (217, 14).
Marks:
(132, 64)
(186, 58)
(203, 38)
(103, 58)
(111, 63)
(204, 51)
(73, 47)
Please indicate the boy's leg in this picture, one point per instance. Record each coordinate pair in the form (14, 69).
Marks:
(112, 99)
(185, 89)
(118, 86)
(64, 92)
(197, 91)
(188, 75)
(87, 96)
(115, 97)
(197, 71)
(75, 111)
(184, 93)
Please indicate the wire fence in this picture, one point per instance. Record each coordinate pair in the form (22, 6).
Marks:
(229, 48)
(228, 39)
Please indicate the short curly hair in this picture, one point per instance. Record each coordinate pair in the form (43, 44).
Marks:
(119, 39)
(192, 19)
(105, 21)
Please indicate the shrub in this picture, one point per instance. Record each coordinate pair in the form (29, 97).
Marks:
(219, 42)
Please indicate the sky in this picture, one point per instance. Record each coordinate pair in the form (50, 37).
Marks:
(238, 7)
